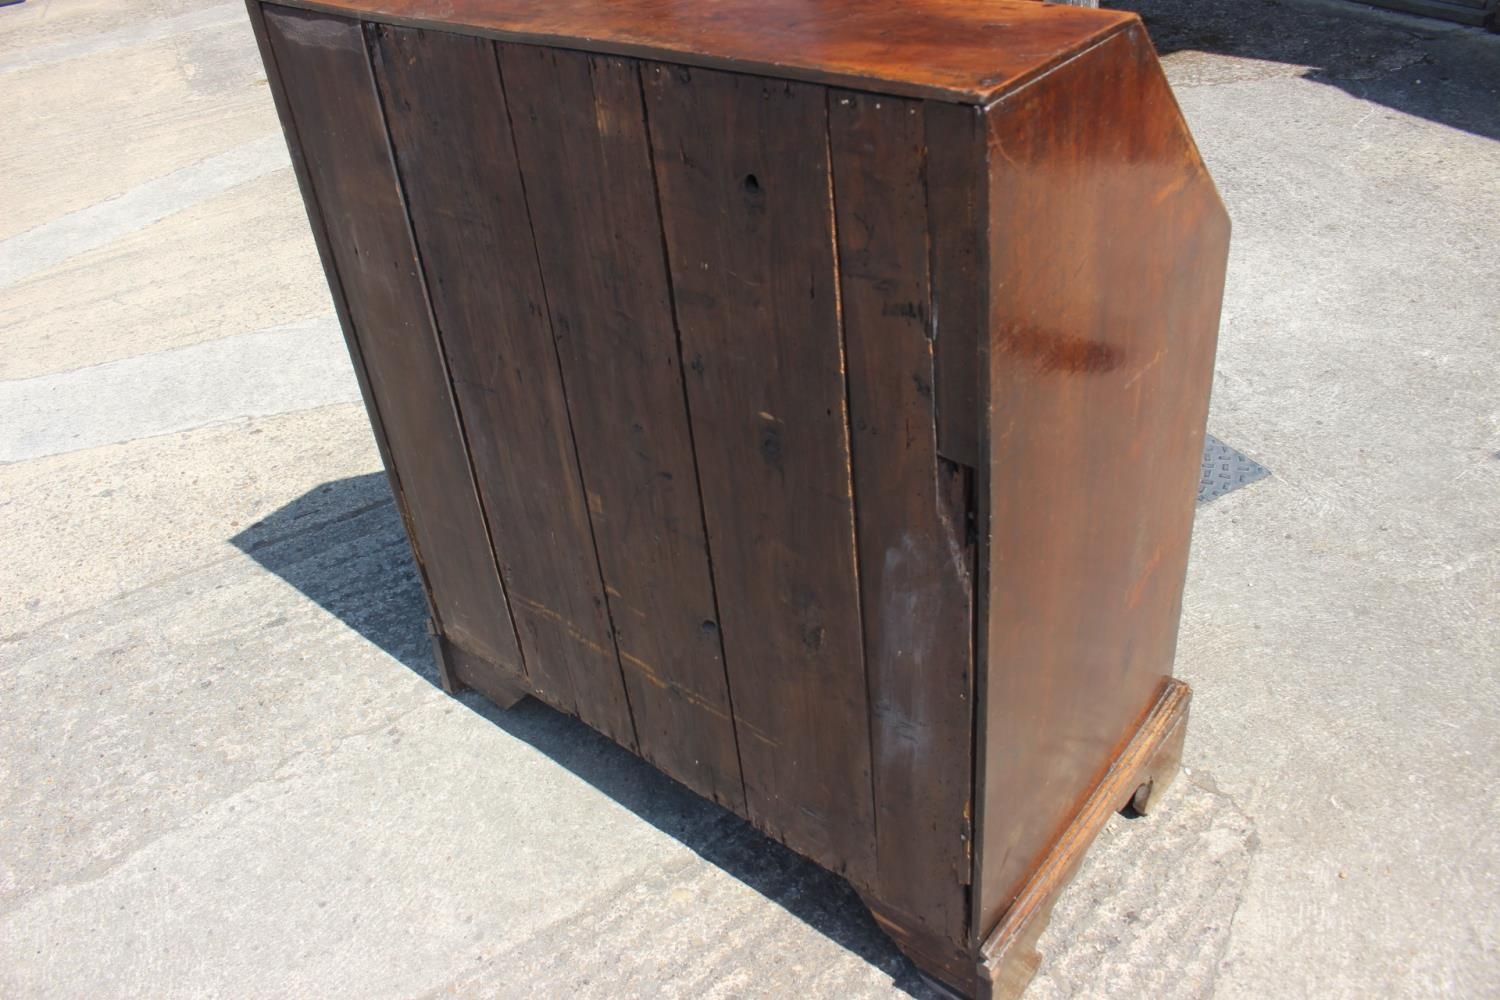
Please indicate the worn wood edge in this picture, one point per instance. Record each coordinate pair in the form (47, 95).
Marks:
(987, 90)
(446, 674)
(1138, 35)
(995, 100)
(460, 670)
(979, 507)
(442, 348)
(1008, 958)
(319, 229)
(1132, 32)
(947, 968)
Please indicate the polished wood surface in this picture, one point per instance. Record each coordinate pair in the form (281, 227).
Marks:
(954, 50)
(826, 431)
(1109, 244)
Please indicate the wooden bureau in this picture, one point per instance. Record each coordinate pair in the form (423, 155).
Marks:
(807, 395)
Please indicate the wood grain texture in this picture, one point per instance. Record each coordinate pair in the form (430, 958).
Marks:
(460, 669)
(915, 559)
(329, 104)
(954, 50)
(746, 207)
(581, 137)
(452, 138)
(956, 199)
(1109, 244)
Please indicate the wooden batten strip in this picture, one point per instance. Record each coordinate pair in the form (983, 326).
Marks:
(912, 536)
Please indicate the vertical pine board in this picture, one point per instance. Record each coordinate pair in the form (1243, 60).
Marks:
(333, 115)
(915, 568)
(743, 173)
(447, 115)
(955, 208)
(600, 245)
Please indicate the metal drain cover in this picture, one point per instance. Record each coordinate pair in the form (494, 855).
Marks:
(1226, 470)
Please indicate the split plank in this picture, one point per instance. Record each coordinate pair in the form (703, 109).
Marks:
(452, 138)
(344, 160)
(584, 155)
(746, 207)
(915, 560)
(955, 172)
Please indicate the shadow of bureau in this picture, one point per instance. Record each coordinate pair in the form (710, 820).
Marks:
(809, 396)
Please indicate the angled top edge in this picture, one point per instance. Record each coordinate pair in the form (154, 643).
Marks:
(960, 51)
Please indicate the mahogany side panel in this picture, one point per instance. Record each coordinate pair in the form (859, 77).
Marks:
(581, 137)
(916, 573)
(1136, 778)
(452, 138)
(1108, 247)
(328, 104)
(743, 172)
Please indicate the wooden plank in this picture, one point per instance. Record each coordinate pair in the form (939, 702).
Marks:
(449, 128)
(742, 167)
(950, 50)
(327, 100)
(581, 140)
(955, 207)
(914, 554)
(1109, 247)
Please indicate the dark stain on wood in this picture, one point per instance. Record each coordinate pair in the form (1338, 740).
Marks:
(1053, 351)
(1093, 461)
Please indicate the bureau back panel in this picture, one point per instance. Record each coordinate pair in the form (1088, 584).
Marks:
(687, 319)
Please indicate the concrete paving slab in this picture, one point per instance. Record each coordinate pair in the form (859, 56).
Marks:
(46, 245)
(136, 31)
(238, 261)
(40, 25)
(94, 127)
(84, 528)
(295, 366)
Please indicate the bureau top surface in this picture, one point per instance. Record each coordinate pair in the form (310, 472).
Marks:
(965, 51)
